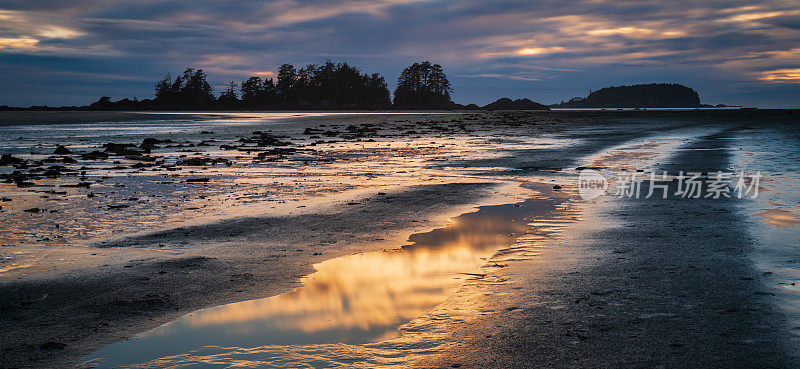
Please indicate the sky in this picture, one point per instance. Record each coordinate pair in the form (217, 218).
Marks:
(58, 52)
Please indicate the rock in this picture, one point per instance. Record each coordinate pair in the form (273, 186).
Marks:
(150, 143)
(33, 210)
(5, 199)
(123, 149)
(94, 155)
(264, 139)
(81, 184)
(364, 130)
(278, 151)
(61, 150)
(117, 207)
(51, 159)
(52, 345)
(197, 180)
(147, 165)
(146, 158)
(7, 159)
(556, 187)
(199, 162)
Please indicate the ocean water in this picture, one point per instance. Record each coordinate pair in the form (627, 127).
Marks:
(774, 215)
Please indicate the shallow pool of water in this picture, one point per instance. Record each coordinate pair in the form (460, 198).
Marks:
(354, 299)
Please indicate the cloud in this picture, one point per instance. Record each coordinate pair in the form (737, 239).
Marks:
(27, 32)
(18, 43)
(550, 45)
(782, 75)
(518, 76)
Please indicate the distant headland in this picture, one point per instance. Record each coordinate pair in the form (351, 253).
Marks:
(340, 86)
(653, 95)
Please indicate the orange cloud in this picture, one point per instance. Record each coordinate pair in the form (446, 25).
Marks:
(18, 43)
(788, 75)
(539, 50)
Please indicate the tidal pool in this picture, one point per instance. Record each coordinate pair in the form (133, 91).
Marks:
(354, 299)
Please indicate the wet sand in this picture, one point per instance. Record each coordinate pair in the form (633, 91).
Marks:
(620, 289)
(72, 294)
(352, 300)
(8, 118)
(645, 283)
(87, 308)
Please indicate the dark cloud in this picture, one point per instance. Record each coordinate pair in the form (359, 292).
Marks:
(59, 52)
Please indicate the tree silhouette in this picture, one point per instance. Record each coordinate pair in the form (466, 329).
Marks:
(196, 92)
(228, 99)
(287, 80)
(328, 86)
(423, 86)
(164, 92)
(259, 94)
(187, 91)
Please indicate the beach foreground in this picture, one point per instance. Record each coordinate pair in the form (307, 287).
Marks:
(414, 240)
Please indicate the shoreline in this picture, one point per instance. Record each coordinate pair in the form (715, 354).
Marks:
(122, 290)
(47, 117)
(14, 118)
(112, 303)
(633, 287)
(359, 298)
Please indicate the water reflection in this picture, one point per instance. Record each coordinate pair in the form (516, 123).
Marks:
(353, 299)
(780, 217)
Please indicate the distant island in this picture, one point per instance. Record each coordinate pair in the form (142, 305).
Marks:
(519, 104)
(653, 95)
(340, 86)
(331, 86)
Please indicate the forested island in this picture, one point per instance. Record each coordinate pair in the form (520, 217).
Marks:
(340, 86)
(653, 95)
(331, 86)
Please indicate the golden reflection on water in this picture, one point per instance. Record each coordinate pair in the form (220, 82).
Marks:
(353, 299)
(379, 289)
(780, 217)
(360, 291)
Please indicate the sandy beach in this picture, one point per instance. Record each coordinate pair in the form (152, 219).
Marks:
(146, 220)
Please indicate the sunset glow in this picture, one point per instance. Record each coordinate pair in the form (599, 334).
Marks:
(782, 75)
(580, 45)
(18, 43)
(539, 50)
(381, 184)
